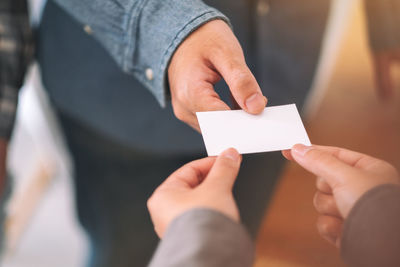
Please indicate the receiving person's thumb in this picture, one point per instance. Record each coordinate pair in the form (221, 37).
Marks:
(322, 164)
(223, 174)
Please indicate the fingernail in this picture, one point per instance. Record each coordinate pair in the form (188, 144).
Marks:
(231, 154)
(255, 103)
(301, 149)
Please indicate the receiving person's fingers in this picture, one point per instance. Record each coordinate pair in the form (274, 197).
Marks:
(224, 172)
(191, 174)
(325, 204)
(330, 228)
(323, 186)
(352, 158)
(322, 163)
(349, 157)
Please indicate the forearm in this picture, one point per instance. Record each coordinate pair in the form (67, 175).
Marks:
(383, 17)
(203, 237)
(142, 35)
(371, 235)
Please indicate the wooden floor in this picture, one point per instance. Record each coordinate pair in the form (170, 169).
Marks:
(350, 116)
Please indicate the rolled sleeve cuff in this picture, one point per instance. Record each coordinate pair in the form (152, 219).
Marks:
(162, 27)
(142, 35)
(181, 36)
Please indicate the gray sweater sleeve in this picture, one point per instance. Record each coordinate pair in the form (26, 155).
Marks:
(142, 35)
(371, 235)
(383, 23)
(204, 237)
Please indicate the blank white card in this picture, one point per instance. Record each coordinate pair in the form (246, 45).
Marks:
(277, 128)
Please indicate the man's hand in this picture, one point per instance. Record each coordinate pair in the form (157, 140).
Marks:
(383, 63)
(204, 183)
(209, 54)
(343, 176)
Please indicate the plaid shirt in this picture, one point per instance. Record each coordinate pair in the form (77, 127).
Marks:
(16, 50)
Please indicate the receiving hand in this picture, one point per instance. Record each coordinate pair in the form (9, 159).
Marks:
(209, 54)
(383, 62)
(343, 176)
(204, 183)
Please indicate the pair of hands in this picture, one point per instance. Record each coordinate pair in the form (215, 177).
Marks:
(212, 53)
(343, 176)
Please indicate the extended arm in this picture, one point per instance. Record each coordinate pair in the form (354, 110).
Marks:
(181, 47)
(371, 234)
(203, 237)
(142, 35)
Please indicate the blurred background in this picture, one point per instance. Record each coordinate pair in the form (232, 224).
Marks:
(343, 110)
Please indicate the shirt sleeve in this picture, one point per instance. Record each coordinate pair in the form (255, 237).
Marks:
(371, 234)
(383, 23)
(142, 35)
(203, 237)
(16, 49)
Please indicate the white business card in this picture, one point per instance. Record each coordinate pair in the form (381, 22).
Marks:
(277, 128)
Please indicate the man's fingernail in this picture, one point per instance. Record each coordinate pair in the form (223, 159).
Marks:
(255, 103)
(232, 154)
(266, 100)
(301, 149)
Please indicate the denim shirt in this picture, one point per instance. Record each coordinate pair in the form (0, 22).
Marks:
(142, 35)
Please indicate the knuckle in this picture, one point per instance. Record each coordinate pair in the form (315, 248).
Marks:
(179, 113)
(181, 94)
(153, 200)
(319, 157)
(324, 225)
(242, 78)
(150, 203)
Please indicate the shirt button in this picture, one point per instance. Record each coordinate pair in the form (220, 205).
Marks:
(149, 74)
(263, 8)
(88, 29)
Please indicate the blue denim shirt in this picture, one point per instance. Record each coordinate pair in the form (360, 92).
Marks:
(281, 47)
(142, 35)
(281, 41)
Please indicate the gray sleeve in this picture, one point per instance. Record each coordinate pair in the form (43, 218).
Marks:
(203, 237)
(371, 233)
(383, 23)
(142, 35)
